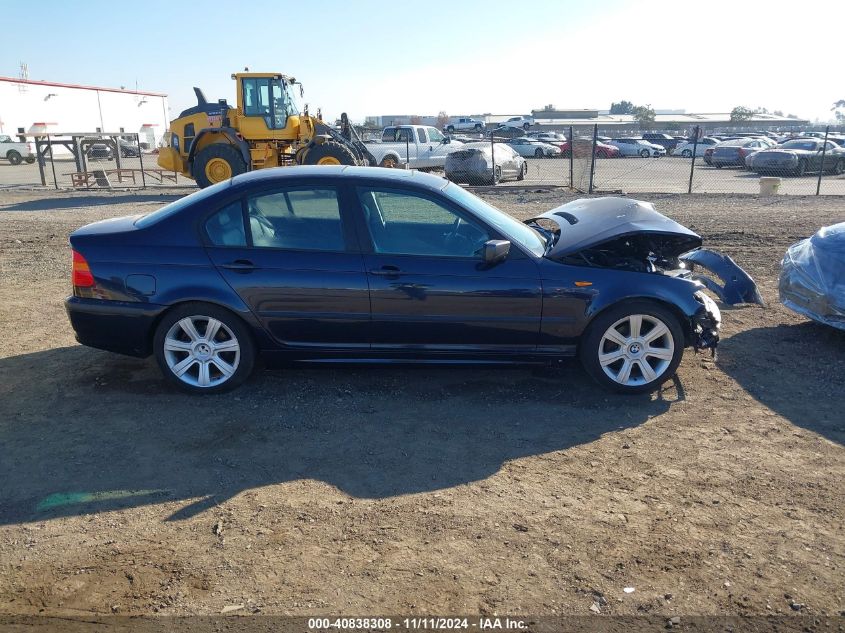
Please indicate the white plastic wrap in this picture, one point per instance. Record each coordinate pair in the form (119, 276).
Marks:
(812, 277)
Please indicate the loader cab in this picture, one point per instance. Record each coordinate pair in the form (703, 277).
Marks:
(267, 107)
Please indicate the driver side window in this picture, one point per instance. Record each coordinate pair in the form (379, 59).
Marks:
(406, 224)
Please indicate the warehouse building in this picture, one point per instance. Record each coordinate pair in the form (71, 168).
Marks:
(44, 107)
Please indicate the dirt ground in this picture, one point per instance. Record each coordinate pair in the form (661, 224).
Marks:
(408, 490)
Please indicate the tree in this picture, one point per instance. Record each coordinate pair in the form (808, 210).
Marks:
(623, 107)
(837, 109)
(644, 115)
(778, 112)
(442, 119)
(741, 113)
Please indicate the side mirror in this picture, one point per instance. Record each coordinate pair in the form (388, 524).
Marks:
(495, 251)
(446, 140)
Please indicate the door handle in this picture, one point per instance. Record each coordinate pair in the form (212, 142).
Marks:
(240, 264)
(387, 271)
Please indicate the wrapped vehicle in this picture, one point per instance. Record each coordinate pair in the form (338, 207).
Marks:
(812, 277)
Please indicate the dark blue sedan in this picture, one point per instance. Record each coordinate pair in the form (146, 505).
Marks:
(367, 264)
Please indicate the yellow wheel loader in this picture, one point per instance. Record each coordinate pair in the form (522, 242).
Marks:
(212, 142)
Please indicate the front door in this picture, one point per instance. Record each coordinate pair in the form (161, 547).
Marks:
(296, 266)
(429, 288)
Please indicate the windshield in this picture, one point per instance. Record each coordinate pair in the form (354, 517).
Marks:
(177, 205)
(515, 230)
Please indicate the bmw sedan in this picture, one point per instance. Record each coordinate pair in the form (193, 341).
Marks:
(368, 264)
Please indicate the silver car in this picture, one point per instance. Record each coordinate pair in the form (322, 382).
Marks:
(637, 147)
(531, 148)
(473, 164)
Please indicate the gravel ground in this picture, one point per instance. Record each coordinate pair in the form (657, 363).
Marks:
(362, 490)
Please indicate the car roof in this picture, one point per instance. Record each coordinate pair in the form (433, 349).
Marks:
(345, 172)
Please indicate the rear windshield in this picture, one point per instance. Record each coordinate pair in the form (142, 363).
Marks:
(177, 205)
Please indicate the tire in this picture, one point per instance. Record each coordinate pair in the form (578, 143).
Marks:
(450, 129)
(838, 168)
(802, 168)
(597, 341)
(538, 153)
(497, 176)
(523, 172)
(390, 162)
(226, 369)
(29, 160)
(330, 153)
(526, 126)
(14, 157)
(478, 128)
(687, 153)
(216, 163)
(645, 153)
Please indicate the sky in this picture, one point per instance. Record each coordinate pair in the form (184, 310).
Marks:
(375, 58)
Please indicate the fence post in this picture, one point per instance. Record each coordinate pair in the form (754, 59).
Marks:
(40, 158)
(821, 167)
(696, 132)
(141, 160)
(407, 151)
(593, 157)
(52, 160)
(493, 157)
(571, 158)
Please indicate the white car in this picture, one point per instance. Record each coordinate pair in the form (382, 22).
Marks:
(637, 147)
(532, 148)
(524, 122)
(684, 150)
(553, 138)
(465, 123)
(14, 151)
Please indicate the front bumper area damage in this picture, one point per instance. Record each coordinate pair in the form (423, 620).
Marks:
(738, 286)
(706, 324)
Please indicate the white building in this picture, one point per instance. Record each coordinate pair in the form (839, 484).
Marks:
(32, 107)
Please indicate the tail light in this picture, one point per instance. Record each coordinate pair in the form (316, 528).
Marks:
(81, 276)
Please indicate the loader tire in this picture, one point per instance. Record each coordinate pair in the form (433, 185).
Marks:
(216, 163)
(330, 153)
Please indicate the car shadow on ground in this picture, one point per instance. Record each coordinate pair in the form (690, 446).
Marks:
(86, 431)
(57, 203)
(761, 361)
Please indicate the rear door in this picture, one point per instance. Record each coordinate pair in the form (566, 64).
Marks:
(297, 264)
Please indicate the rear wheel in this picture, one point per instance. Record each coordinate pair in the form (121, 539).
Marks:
(202, 348)
(330, 153)
(497, 175)
(802, 168)
(538, 153)
(14, 157)
(839, 167)
(633, 347)
(686, 153)
(216, 163)
(523, 172)
(526, 126)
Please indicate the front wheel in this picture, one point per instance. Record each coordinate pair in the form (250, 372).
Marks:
(14, 157)
(645, 153)
(496, 176)
(523, 172)
(202, 348)
(802, 168)
(538, 153)
(839, 168)
(633, 347)
(216, 163)
(686, 153)
(526, 126)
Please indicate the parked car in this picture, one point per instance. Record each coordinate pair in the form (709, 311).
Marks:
(463, 124)
(733, 153)
(15, 151)
(799, 156)
(99, 151)
(128, 150)
(523, 122)
(421, 146)
(474, 164)
(503, 132)
(389, 265)
(552, 138)
(685, 149)
(583, 145)
(529, 148)
(636, 147)
(667, 142)
(811, 279)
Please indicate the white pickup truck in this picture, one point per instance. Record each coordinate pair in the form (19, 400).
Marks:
(420, 146)
(15, 151)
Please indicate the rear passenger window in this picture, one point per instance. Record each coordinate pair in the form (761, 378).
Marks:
(226, 227)
(297, 219)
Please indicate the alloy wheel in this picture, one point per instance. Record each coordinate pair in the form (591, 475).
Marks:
(636, 350)
(201, 351)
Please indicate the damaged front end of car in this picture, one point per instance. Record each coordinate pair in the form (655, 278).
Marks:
(630, 235)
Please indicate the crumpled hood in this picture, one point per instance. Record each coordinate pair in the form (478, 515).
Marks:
(588, 222)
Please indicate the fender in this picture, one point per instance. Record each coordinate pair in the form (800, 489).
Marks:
(231, 135)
